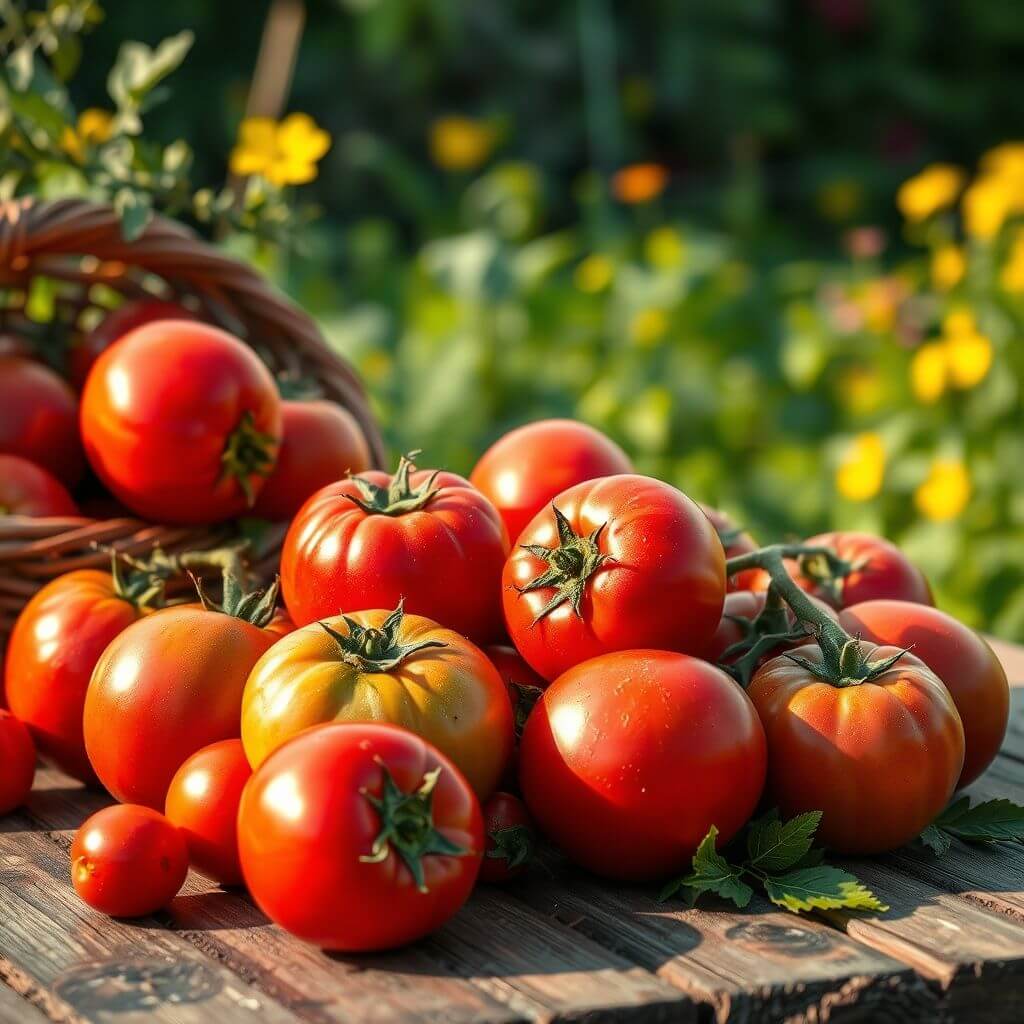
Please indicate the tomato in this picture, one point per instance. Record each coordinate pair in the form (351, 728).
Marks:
(17, 762)
(281, 623)
(524, 471)
(629, 759)
(128, 861)
(181, 421)
(510, 838)
(321, 443)
(963, 661)
(524, 686)
(617, 563)
(39, 419)
(166, 686)
(87, 348)
(880, 759)
(383, 667)
(202, 800)
(359, 837)
(28, 490)
(736, 541)
(373, 540)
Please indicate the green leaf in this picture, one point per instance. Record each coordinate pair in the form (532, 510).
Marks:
(713, 873)
(820, 888)
(936, 839)
(134, 208)
(774, 845)
(990, 822)
(957, 809)
(139, 69)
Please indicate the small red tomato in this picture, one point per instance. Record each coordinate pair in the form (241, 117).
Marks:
(511, 840)
(17, 762)
(128, 861)
(29, 490)
(523, 472)
(736, 541)
(202, 801)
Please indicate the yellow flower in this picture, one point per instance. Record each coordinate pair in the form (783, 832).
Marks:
(928, 372)
(945, 492)
(968, 358)
(665, 249)
(94, 126)
(839, 200)
(948, 267)
(1006, 160)
(861, 472)
(959, 320)
(285, 153)
(986, 205)
(639, 183)
(935, 188)
(861, 389)
(594, 274)
(460, 143)
(648, 327)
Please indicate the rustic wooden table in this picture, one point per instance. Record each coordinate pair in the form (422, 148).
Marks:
(951, 948)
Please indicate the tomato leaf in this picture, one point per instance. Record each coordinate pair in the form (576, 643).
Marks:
(936, 839)
(711, 873)
(820, 888)
(993, 821)
(774, 845)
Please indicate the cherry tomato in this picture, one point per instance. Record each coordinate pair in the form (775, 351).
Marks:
(128, 861)
(879, 759)
(359, 837)
(181, 421)
(28, 490)
(511, 840)
(373, 540)
(202, 800)
(958, 656)
(736, 541)
(39, 419)
(629, 759)
(524, 471)
(17, 762)
(618, 563)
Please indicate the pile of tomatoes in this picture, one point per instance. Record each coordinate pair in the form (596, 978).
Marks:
(556, 644)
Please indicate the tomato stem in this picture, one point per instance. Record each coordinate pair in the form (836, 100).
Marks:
(399, 497)
(372, 649)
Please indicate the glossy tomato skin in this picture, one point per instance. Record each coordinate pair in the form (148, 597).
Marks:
(880, 759)
(523, 471)
(39, 419)
(524, 686)
(740, 543)
(158, 410)
(452, 696)
(662, 586)
(166, 686)
(128, 861)
(29, 490)
(202, 801)
(54, 647)
(306, 827)
(444, 559)
(628, 759)
(17, 762)
(504, 812)
(960, 657)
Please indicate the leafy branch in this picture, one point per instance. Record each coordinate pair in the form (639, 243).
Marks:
(992, 821)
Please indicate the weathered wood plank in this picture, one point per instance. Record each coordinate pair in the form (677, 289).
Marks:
(14, 1009)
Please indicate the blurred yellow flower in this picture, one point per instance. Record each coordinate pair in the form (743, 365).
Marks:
(928, 372)
(986, 205)
(879, 302)
(839, 200)
(94, 126)
(594, 274)
(935, 188)
(1005, 160)
(948, 267)
(461, 143)
(639, 183)
(648, 327)
(285, 152)
(945, 492)
(861, 472)
(958, 320)
(861, 389)
(968, 358)
(665, 249)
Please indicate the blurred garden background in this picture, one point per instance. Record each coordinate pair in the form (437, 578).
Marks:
(773, 247)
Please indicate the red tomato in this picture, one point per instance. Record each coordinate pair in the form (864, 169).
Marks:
(54, 647)
(17, 762)
(880, 759)
(86, 349)
(28, 490)
(372, 540)
(128, 861)
(524, 686)
(629, 759)
(359, 837)
(622, 562)
(510, 838)
(281, 623)
(958, 656)
(736, 541)
(321, 443)
(181, 421)
(39, 419)
(524, 471)
(202, 801)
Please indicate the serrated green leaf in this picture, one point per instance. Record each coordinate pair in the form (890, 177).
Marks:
(820, 888)
(936, 839)
(990, 822)
(953, 812)
(713, 873)
(774, 845)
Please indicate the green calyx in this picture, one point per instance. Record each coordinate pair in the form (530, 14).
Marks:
(253, 606)
(515, 845)
(570, 566)
(407, 825)
(399, 497)
(526, 697)
(848, 664)
(827, 572)
(141, 586)
(376, 649)
(248, 453)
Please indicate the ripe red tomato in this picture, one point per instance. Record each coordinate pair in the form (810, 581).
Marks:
(39, 419)
(958, 656)
(880, 759)
(128, 861)
(181, 421)
(511, 840)
(736, 541)
(202, 800)
(524, 686)
(29, 490)
(629, 759)
(17, 762)
(373, 540)
(622, 562)
(359, 837)
(281, 623)
(523, 471)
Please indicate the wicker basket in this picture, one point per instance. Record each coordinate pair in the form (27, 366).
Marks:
(79, 244)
